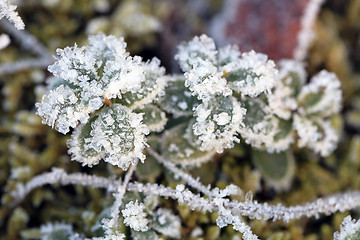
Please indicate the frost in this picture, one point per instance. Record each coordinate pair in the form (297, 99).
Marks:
(64, 107)
(349, 229)
(201, 47)
(8, 10)
(321, 96)
(117, 135)
(166, 223)
(290, 80)
(213, 135)
(317, 135)
(205, 81)
(135, 217)
(252, 74)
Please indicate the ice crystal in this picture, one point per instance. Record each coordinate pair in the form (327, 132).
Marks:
(321, 96)
(349, 229)
(217, 123)
(201, 47)
(135, 217)
(8, 10)
(251, 74)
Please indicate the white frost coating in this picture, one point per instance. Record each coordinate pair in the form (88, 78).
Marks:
(8, 10)
(169, 224)
(205, 81)
(201, 47)
(117, 135)
(282, 100)
(348, 228)
(260, 73)
(222, 118)
(153, 85)
(4, 40)
(135, 217)
(228, 54)
(63, 108)
(210, 133)
(328, 86)
(322, 141)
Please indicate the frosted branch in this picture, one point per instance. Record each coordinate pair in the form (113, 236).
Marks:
(26, 40)
(8, 10)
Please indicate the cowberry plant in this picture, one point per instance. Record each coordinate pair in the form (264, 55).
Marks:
(124, 109)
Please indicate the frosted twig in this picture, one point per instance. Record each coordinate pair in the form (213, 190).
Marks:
(115, 209)
(235, 209)
(9, 68)
(26, 40)
(58, 175)
(179, 173)
(8, 10)
(306, 34)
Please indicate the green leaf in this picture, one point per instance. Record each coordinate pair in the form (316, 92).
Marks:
(178, 99)
(153, 117)
(277, 168)
(176, 147)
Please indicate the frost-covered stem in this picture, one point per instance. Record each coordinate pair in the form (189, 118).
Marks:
(252, 209)
(306, 34)
(58, 175)
(115, 209)
(327, 205)
(9, 68)
(196, 184)
(26, 40)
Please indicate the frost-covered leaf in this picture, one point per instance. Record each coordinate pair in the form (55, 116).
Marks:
(78, 147)
(166, 223)
(151, 88)
(259, 126)
(65, 107)
(205, 80)
(149, 235)
(283, 137)
(228, 54)
(57, 231)
(135, 217)
(349, 230)
(277, 168)
(252, 74)
(289, 81)
(201, 47)
(322, 96)
(117, 133)
(153, 117)
(175, 146)
(316, 134)
(218, 120)
(178, 99)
